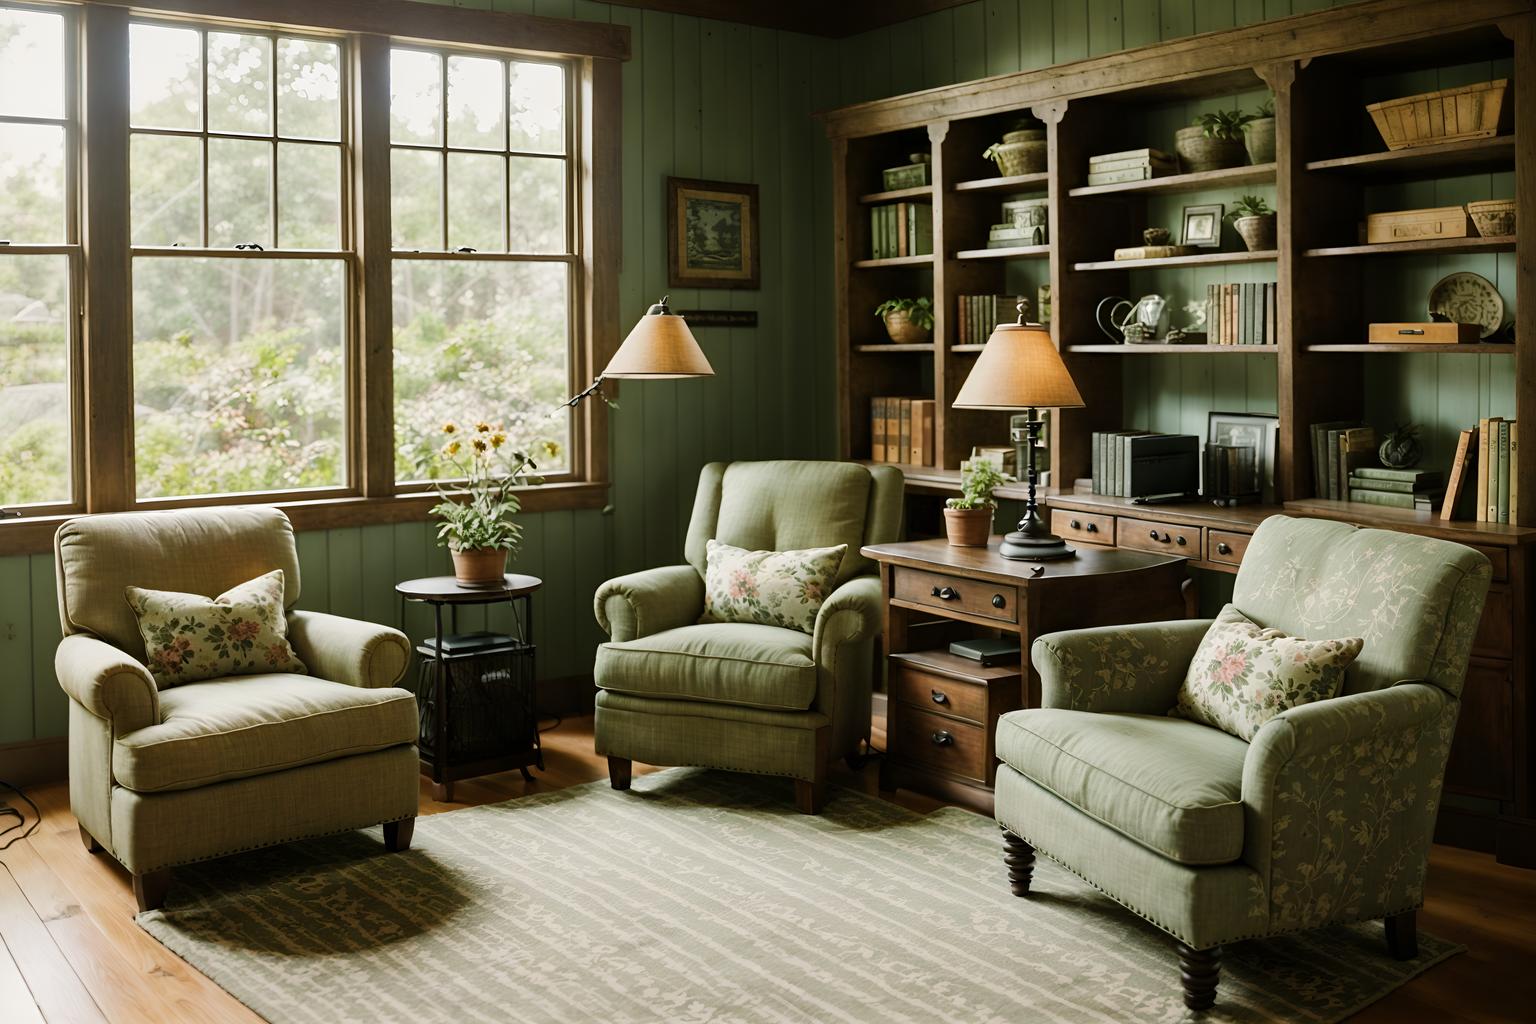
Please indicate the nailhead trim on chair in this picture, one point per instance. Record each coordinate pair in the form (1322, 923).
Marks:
(279, 842)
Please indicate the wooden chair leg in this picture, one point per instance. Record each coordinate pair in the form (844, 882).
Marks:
(397, 834)
(1200, 972)
(619, 771)
(810, 797)
(149, 889)
(89, 840)
(1019, 857)
(1403, 936)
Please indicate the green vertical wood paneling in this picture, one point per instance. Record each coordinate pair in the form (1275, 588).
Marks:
(1002, 36)
(16, 648)
(50, 711)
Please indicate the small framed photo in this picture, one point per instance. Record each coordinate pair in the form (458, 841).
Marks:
(712, 240)
(1258, 431)
(1202, 226)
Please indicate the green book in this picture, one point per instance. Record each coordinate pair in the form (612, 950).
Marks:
(1367, 483)
(1383, 473)
(1381, 498)
(1503, 498)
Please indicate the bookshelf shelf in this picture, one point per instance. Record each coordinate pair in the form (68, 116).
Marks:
(1012, 183)
(1252, 174)
(967, 349)
(1382, 348)
(1175, 350)
(891, 348)
(1436, 246)
(1196, 260)
(926, 260)
(1497, 153)
(1014, 252)
(916, 192)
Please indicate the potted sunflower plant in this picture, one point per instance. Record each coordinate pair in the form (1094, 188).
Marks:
(476, 516)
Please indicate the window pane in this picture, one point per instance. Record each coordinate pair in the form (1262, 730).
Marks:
(416, 185)
(165, 87)
(308, 196)
(32, 64)
(166, 188)
(415, 97)
(537, 107)
(239, 374)
(31, 182)
(475, 118)
(34, 379)
(476, 192)
(239, 83)
(308, 89)
(239, 192)
(538, 204)
(478, 340)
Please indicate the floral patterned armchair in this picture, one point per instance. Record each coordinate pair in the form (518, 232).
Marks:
(1325, 816)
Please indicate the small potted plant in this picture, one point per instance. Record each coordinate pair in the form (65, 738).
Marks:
(477, 525)
(907, 321)
(1259, 134)
(1022, 151)
(968, 518)
(1255, 222)
(1214, 141)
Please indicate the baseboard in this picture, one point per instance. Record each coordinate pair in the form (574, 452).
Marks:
(35, 761)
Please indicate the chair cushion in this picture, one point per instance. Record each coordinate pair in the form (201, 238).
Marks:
(255, 725)
(1172, 785)
(725, 662)
(771, 588)
(189, 637)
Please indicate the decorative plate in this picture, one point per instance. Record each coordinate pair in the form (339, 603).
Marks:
(1467, 298)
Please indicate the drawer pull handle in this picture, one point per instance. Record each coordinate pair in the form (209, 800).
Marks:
(1154, 535)
(1181, 541)
(946, 593)
(999, 601)
(1164, 538)
(1223, 548)
(942, 739)
(1076, 525)
(1093, 527)
(940, 697)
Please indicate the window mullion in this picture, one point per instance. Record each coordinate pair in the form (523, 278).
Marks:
(373, 369)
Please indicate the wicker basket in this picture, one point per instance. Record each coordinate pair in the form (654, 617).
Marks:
(1493, 217)
(1446, 115)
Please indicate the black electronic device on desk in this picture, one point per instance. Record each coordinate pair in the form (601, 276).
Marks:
(1161, 467)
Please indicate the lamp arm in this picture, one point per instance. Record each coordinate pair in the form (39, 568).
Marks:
(595, 387)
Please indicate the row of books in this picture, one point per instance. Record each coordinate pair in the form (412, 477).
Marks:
(1242, 314)
(900, 229)
(1137, 463)
(901, 430)
(1486, 453)
(978, 314)
(1130, 165)
(1338, 449)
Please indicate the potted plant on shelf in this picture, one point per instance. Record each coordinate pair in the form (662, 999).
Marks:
(477, 525)
(1259, 134)
(1255, 222)
(1214, 141)
(907, 321)
(968, 518)
(1022, 151)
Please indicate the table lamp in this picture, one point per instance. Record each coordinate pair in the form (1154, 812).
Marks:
(660, 347)
(1020, 369)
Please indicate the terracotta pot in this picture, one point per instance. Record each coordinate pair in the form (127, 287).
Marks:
(1259, 138)
(903, 331)
(1199, 153)
(477, 567)
(968, 527)
(1258, 233)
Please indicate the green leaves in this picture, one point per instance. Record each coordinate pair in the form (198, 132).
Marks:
(981, 476)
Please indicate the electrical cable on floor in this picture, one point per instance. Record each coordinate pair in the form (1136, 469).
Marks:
(553, 725)
(7, 811)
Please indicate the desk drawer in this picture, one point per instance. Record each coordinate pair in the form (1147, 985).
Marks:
(932, 692)
(1226, 547)
(940, 743)
(1163, 538)
(950, 593)
(1083, 527)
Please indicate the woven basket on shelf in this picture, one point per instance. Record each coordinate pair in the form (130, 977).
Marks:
(1445, 115)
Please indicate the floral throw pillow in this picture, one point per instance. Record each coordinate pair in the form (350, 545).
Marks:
(188, 637)
(1243, 674)
(772, 588)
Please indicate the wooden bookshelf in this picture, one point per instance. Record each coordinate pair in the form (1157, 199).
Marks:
(915, 192)
(895, 261)
(1230, 177)
(1012, 183)
(879, 348)
(1481, 348)
(1201, 259)
(1429, 246)
(1174, 350)
(1012, 252)
(1492, 154)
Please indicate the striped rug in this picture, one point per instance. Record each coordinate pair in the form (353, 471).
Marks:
(704, 897)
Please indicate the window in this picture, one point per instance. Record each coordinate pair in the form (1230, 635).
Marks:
(39, 260)
(485, 267)
(241, 263)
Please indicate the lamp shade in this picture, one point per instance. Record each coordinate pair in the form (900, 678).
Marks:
(1019, 369)
(660, 346)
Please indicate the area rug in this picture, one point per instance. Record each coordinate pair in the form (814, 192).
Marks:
(705, 897)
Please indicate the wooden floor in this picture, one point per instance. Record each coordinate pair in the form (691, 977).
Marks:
(71, 951)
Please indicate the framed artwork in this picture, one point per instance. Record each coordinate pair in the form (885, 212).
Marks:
(1258, 431)
(712, 241)
(1202, 226)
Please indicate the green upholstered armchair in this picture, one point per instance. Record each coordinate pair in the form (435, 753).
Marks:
(743, 697)
(1326, 816)
(166, 776)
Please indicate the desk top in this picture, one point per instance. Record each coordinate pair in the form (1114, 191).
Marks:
(939, 555)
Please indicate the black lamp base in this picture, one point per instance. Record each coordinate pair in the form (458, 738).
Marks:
(1034, 549)
(1033, 541)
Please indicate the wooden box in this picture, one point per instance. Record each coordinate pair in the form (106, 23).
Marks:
(1413, 225)
(1445, 115)
(1425, 334)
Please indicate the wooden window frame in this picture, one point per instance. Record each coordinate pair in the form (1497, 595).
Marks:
(102, 372)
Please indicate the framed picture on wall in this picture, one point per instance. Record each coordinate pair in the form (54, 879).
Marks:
(712, 236)
(1202, 225)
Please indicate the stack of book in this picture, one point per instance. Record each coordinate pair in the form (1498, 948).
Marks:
(900, 229)
(901, 430)
(1340, 448)
(978, 314)
(1130, 165)
(1241, 314)
(1419, 489)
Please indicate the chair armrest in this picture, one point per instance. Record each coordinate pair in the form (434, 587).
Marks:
(1136, 667)
(107, 682)
(349, 651)
(854, 611)
(1339, 802)
(642, 603)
